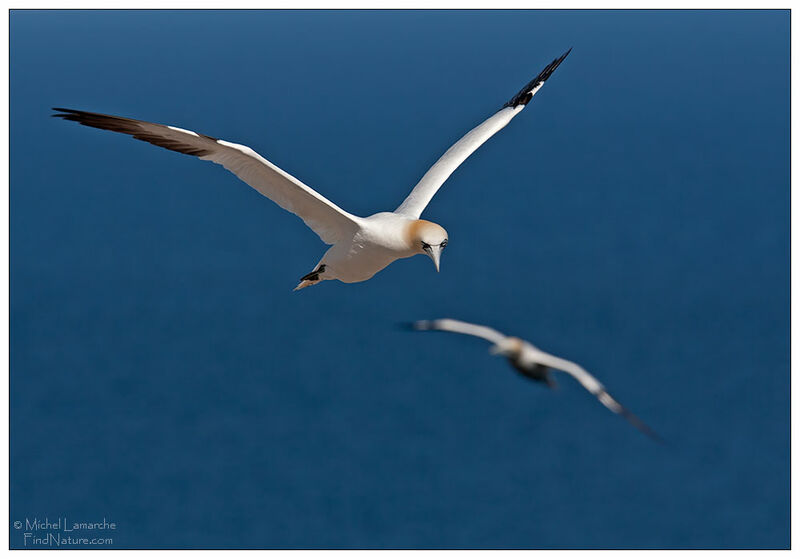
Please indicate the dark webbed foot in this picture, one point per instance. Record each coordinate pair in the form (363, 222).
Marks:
(314, 276)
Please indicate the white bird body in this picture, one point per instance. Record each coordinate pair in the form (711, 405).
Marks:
(534, 363)
(379, 240)
(362, 246)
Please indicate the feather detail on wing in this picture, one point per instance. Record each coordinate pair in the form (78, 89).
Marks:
(324, 217)
(459, 327)
(596, 388)
(429, 184)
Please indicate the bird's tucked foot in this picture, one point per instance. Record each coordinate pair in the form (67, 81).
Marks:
(311, 278)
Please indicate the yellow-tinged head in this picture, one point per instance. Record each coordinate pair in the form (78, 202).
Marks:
(426, 237)
(509, 347)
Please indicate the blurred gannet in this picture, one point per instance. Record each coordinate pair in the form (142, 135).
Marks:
(362, 246)
(534, 363)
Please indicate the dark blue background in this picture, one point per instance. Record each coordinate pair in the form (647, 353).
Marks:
(635, 219)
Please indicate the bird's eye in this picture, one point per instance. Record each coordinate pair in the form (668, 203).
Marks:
(444, 243)
(425, 246)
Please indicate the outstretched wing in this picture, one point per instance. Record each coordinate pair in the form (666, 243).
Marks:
(450, 325)
(324, 217)
(430, 183)
(594, 386)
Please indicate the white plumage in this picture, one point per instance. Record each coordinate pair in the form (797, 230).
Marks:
(362, 246)
(534, 363)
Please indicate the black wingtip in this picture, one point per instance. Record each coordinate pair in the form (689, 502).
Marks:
(657, 439)
(526, 93)
(62, 113)
(654, 436)
(72, 114)
(150, 132)
(414, 326)
(642, 426)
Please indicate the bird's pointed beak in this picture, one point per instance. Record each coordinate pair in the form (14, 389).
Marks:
(495, 350)
(435, 252)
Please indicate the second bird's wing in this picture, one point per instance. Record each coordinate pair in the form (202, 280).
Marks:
(324, 217)
(430, 183)
(450, 325)
(595, 387)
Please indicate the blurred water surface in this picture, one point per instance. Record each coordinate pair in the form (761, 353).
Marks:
(635, 219)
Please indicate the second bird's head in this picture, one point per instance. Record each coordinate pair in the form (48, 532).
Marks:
(508, 347)
(428, 238)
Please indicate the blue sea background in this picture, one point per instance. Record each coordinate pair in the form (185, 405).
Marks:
(634, 218)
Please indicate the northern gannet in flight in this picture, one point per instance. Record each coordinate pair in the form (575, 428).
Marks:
(362, 246)
(534, 363)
